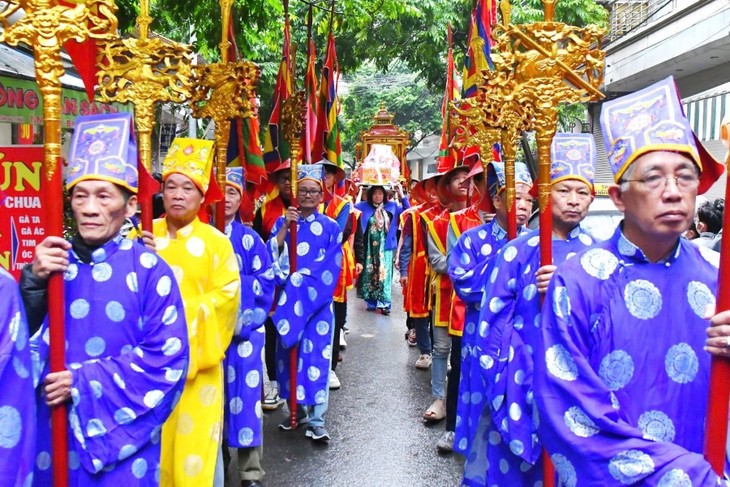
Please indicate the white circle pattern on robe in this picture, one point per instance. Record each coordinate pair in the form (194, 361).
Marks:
(164, 285)
(710, 256)
(79, 308)
(253, 379)
(114, 311)
(195, 246)
(313, 373)
(643, 299)
(302, 248)
(170, 315)
(283, 326)
(560, 363)
(139, 468)
(486, 250)
(101, 272)
(148, 260)
(493, 275)
(322, 328)
(529, 292)
(565, 470)
(132, 282)
(515, 412)
(245, 436)
(71, 272)
(496, 304)
(486, 362)
(681, 363)
(307, 346)
(510, 253)
(153, 398)
(699, 297)
(599, 263)
(95, 346)
(675, 478)
(585, 239)
(533, 241)
(656, 426)
(561, 302)
(296, 279)
(11, 426)
(124, 415)
(327, 278)
(579, 423)
(616, 369)
(247, 241)
(629, 466)
(316, 228)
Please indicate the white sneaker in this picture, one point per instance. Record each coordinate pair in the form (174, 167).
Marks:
(334, 382)
(272, 400)
(343, 343)
(424, 361)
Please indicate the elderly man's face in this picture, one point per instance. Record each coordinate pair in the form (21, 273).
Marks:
(100, 208)
(658, 196)
(181, 197)
(233, 201)
(309, 195)
(570, 201)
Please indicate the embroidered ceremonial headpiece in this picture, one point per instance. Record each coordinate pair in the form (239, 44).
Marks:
(103, 148)
(496, 178)
(192, 158)
(313, 172)
(649, 120)
(573, 156)
(234, 177)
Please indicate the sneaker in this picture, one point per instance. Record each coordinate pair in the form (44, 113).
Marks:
(346, 329)
(334, 382)
(411, 338)
(286, 424)
(272, 401)
(385, 311)
(317, 433)
(424, 361)
(446, 442)
(343, 343)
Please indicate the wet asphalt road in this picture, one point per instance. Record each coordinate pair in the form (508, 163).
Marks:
(378, 437)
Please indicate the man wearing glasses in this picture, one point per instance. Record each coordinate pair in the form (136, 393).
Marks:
(303, 316)
(621, 362)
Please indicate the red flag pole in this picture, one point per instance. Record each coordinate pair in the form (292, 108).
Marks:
(544, 140)
(57, 348)
(717, 403)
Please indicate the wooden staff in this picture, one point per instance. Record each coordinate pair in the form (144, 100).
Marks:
(717, 404)
(294, 352)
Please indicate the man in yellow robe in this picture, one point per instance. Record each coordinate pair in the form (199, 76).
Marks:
(206, 270)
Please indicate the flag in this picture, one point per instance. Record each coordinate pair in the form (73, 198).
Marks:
(83, 56)
(310, 90)
(276, 147)
(244, 138)
(327, 139)
(447, 154)
(479, 45)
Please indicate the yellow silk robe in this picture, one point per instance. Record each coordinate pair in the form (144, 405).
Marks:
(206, 270)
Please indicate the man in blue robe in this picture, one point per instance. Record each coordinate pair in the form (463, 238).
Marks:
(622, 363)
(303, 314)
(244, 362)
(127, 347)
(468, 260)
(17, 403)
(508, 451)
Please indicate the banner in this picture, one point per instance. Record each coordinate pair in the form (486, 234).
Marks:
(20, 102)
(22, 225)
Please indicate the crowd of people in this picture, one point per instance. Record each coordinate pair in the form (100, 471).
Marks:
(178, 338)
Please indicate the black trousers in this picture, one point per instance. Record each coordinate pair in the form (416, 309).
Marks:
(340, 310)
(270, 348)
(452, 387)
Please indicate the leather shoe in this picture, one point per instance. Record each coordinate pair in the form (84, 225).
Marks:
(251, 483)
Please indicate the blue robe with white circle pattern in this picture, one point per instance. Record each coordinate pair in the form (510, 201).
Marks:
(127, 348)
(621, 376)
(303, 315)
(244, 363)
(17, 402)
(507, 451)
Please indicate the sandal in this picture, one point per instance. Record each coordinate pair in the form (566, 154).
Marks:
(435, 412)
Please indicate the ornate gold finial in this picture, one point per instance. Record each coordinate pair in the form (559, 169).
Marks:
(46, 27)
(549, 9)
(224, 91)
(293, 113)
(506, 8)
(145, 72)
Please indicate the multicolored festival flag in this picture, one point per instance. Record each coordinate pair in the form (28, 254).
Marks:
(327, 140)
(310, 91)
(479, 45)
(447, 154)
(276, 148)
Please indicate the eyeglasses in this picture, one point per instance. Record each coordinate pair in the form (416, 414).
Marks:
(656, 182)
(308, 192)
